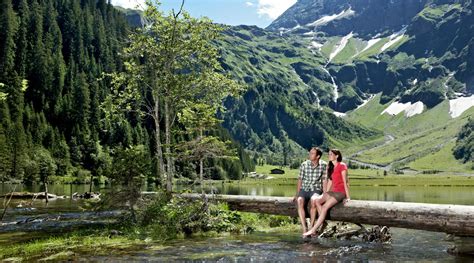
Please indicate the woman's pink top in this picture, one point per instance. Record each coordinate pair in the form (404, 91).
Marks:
(337, 182)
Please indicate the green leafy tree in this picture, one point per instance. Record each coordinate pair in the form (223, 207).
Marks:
(130, 168)
(197, 120)
(170, 64)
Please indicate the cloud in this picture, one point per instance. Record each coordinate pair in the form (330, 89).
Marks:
(249, 3)
(273, 8)
(132, 4)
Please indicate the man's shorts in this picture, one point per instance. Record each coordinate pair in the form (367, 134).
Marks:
(308, 194)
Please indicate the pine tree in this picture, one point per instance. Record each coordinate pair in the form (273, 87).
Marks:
(9, 27)
(22, 38)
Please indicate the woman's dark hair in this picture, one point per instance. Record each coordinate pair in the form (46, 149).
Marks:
(331, 165)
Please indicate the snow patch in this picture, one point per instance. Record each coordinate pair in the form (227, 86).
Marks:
(370, 43)
(410, 109)
(316, 45)
(414, 109)
(391, 42)
(341, 45)
(460, 105)
(328, 18)
(339, 114)
(394, 38)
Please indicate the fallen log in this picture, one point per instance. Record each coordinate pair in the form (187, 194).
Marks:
(28, 195)
(452, 219)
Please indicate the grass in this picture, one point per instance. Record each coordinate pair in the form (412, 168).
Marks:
(373, 50)
(353, 46)
(435, 13)
(329, 46)
(265, 169)
(440, 161)
(97, 242)
(424, 142)
(64, 247)
(368, 177)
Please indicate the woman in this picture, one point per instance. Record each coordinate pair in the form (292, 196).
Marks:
(337, 189)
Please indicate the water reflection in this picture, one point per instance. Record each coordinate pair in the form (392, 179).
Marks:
(421, 194)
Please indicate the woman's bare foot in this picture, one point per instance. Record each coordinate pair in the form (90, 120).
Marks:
(309, 233)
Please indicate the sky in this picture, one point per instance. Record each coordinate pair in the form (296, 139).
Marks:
(231, 12)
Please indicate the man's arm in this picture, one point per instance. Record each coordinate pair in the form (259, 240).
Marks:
(300, 182)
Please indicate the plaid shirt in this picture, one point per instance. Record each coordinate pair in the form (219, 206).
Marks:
(311, 177)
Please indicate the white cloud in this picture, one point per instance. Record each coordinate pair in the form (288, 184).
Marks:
(273, 8)
(132, 4)
(249, 4)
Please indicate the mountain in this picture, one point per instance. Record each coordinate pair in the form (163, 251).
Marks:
(366, 18)
(134, 17)
(392, 66)
(282, 111)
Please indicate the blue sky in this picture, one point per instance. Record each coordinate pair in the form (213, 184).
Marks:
(230, 12)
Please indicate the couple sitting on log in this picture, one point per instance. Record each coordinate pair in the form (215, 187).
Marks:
(321, 186)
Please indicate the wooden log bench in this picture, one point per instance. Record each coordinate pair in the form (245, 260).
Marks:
(452, 219)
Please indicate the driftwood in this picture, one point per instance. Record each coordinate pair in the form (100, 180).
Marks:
(28, 195)
(453, 219)
(42, 195)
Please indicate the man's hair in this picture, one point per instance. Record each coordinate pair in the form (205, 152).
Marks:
(318, 151)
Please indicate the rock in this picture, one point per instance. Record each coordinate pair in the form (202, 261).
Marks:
(86, 195)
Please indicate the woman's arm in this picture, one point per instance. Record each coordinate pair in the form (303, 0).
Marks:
(346, 185)
(329, 185)
(325, 181)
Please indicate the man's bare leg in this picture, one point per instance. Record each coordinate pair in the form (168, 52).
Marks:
(302, 214)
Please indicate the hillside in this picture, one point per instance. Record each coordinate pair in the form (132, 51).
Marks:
(284, 110)
(403, 68)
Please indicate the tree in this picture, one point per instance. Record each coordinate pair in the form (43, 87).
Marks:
(464, 148)
(9, 27)
(171, 63)
(197, 119)
(131, 166)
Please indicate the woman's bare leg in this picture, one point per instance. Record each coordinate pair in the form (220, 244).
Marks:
(320, 202)
(313, 210)
(322, 216)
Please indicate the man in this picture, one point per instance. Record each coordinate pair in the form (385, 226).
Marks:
(310, 185)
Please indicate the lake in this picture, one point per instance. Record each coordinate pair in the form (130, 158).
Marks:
(412, 245)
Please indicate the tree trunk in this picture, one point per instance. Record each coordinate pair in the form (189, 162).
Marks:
(169, 164)
(91, 182)
(46, 191)
(160, 167)
(201, 174)
(201, 167)
(452, 219)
